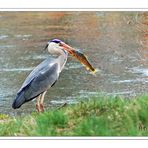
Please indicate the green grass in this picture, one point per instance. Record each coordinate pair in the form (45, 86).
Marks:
(97, 116)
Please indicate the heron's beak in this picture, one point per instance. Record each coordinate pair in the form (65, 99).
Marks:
(78, 55)
(66, 47)
(46, 47)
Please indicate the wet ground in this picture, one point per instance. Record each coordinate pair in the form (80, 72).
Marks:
(115, 42)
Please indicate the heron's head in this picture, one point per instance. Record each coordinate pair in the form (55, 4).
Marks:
(57, 47)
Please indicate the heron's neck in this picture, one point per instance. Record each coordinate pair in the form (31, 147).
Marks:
(62, 60)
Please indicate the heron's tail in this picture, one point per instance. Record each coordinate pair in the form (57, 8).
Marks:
(19, 100)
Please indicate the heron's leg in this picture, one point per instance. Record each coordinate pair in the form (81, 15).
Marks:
(38, 103)
(42, 101)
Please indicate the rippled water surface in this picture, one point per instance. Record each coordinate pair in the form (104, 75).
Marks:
(115, 42)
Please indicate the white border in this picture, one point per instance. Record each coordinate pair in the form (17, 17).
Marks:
(73, 4)
(73, 9)
(73, 143)
(75, 138)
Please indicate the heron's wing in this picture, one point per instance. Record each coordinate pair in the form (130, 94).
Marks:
(36, 71)
(44, 80)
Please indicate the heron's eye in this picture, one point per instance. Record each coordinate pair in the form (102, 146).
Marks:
(59, 44)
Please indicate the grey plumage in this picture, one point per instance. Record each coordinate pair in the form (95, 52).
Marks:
(37, 82)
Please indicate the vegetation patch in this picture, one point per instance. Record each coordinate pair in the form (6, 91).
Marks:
(96, 116)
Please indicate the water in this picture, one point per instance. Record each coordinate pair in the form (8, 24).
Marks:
(115, 43)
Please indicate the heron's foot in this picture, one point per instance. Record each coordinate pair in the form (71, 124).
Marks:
(42, 107)
(37, 108)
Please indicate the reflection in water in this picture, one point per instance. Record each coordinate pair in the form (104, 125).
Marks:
(115, 43)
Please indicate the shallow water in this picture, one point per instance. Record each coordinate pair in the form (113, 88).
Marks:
(116, 43)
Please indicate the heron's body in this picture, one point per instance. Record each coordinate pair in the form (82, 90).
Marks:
(44, 75)
(40, 79)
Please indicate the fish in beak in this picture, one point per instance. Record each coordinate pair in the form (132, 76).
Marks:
(79, 56)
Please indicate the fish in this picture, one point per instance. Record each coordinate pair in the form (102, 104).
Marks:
(83, 60)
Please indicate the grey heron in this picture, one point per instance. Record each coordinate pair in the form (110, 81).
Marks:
(46, 74)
